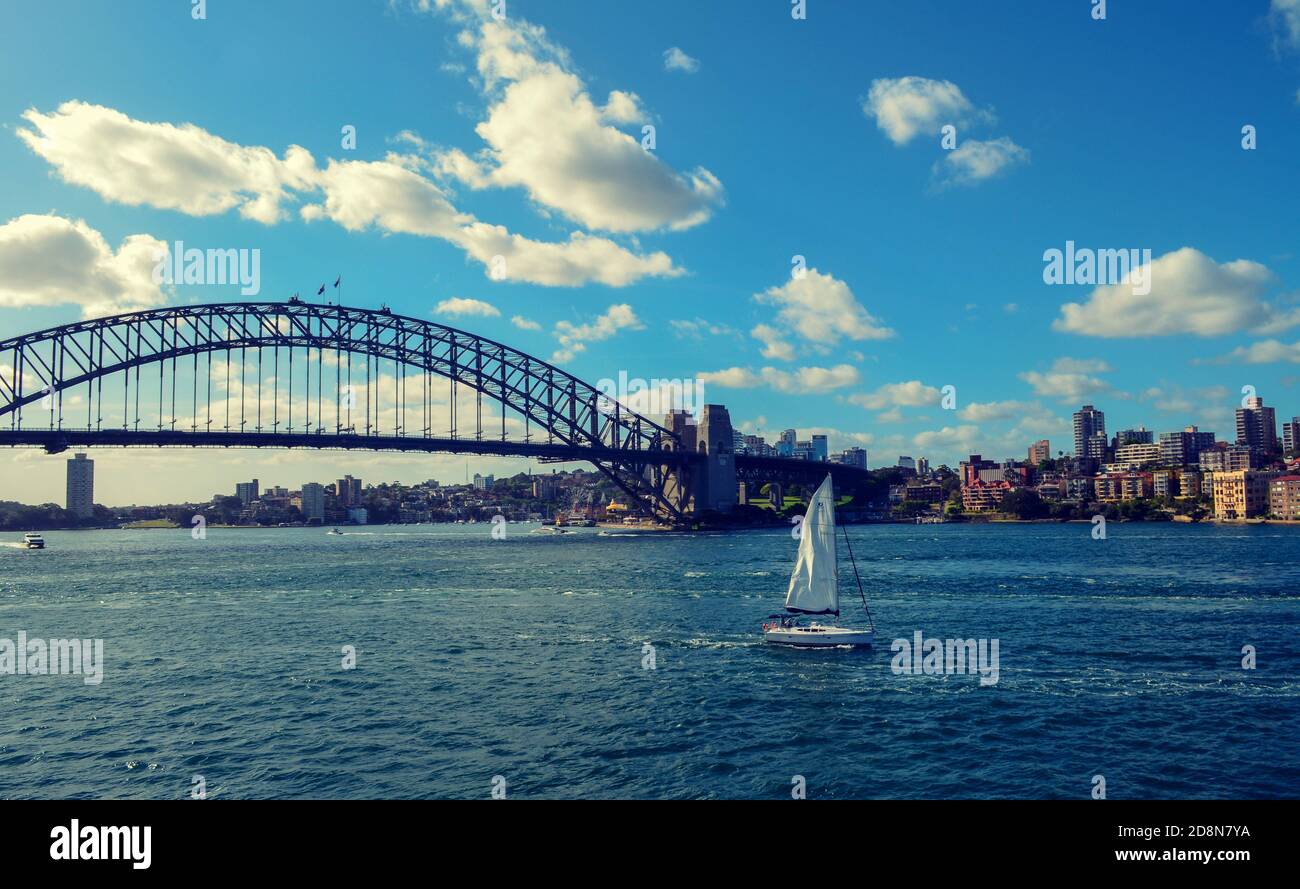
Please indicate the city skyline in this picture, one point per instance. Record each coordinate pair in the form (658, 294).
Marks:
(676, 262)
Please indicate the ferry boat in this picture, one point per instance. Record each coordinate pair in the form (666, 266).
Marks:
(32, 540)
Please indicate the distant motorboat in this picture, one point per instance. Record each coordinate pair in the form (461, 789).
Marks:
(335, 532)
(32, 540)
(815, 585)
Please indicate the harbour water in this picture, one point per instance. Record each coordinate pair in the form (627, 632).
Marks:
(530, 658)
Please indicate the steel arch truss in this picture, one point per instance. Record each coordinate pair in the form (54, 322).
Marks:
(562, 417)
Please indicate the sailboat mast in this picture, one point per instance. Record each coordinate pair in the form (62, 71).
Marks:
(856, 577)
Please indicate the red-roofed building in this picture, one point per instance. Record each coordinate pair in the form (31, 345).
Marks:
(984, 496)
(1124, 486)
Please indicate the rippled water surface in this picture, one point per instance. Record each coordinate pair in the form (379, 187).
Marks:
(524, 658)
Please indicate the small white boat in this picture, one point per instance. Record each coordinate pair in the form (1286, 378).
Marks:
(815, 585)
(32, 540)
(335, 532)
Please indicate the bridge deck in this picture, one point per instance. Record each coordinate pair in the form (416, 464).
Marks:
(58, 440)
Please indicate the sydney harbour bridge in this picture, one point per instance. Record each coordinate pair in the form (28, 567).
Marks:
(303, 375)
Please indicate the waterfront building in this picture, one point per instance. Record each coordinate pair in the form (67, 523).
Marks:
(924, 492)
(483, 482)
(1123, 486)
(1088, 423)
(1284, 497)
(1242, 494)
(984, 496)
(1257, 427)
(1051, 487)
(80, 495)
(1165, 483)
(1040, 451)
(312, 502)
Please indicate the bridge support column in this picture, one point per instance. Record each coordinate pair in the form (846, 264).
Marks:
(717, 489)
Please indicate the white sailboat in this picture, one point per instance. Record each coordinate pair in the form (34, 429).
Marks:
(815, 585)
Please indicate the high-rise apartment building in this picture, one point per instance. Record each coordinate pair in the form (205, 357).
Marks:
(1184, 448)
(1140, 435)
(312, 501)
(348, 491)
(1257, 427)
(81, 487)
(785, 445)
(1040, 451)
(247, 492)
(1088, 423)
(820, 449)
(1291, 436)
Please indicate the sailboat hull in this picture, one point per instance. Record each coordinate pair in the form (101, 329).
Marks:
(817, 636)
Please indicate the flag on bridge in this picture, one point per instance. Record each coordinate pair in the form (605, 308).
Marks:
(322, 290)
(336, 282)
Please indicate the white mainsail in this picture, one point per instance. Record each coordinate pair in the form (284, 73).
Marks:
(815, 583)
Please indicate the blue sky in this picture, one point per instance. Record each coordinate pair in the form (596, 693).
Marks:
(775, 137)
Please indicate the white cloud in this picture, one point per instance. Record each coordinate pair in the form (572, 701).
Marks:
(1285, 17)
(950, 439)
(459, 306)
(545, 134)
(974, 161)
(174, 167)
(776, 344)
(187, 169)
(1190, 294)
(805, 380)
(991, 411)
(1071, 379)
(1263, 352)
(698, 328)
(524, 324)
(49, 261)
(819, 308)
(573, 338)
(676, 60)
(912, 393)
(1206, 406)
(906, 107)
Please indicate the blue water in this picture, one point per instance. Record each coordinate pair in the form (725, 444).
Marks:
(524, 658)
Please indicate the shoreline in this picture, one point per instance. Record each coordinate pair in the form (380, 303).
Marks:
(668, 529)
